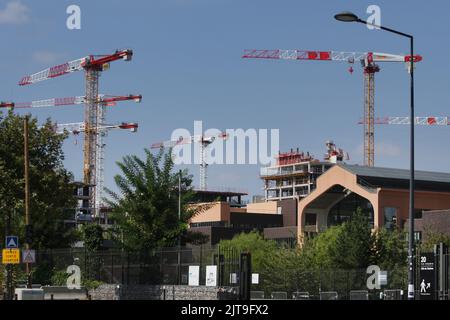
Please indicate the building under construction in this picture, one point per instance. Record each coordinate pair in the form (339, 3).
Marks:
(295, 173)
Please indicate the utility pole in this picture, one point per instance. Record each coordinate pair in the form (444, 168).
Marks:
(179, 219)
(9, 280)
(27, 200)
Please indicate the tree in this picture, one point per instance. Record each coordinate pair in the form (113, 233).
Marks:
(93, 243)
(432, 238)
(252, 242)
(320, 252)
(50, 183)
(146, 207)
(389, 249)
(92, 237)
(274, 264)
(353, 243)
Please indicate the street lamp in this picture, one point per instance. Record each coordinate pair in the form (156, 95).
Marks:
(347, 17)
(351, 17)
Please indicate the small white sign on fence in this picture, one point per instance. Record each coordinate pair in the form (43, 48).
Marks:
(211, 276)
(194, 276)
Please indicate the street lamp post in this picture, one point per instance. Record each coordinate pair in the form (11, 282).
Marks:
(351, 17)
(179, 219)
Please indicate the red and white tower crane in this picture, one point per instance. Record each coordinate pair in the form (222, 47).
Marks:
(420, 121)
(204, 142)
(80, 127)
(369, 62)
(93, 65)
(6, 104)
(103, 100)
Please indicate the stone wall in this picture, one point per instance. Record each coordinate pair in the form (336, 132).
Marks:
(104, 292)
(142, 292)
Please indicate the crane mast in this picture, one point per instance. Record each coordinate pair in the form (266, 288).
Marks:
(101, 131)
(204, 142)
(90, 136)
(369, 111)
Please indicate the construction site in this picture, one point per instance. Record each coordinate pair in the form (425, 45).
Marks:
(359, 161)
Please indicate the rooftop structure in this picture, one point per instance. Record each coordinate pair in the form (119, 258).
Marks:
(295, 173)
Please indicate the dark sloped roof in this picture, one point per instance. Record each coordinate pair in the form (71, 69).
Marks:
(389, 177)
(397, 173)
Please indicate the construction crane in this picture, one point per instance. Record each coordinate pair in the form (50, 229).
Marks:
(420, 121)
(204, 142)
(94, 115)
(103, 100)
(368, 61)
(6, 104)
(101, 131)
(80, 127)
(335, 154)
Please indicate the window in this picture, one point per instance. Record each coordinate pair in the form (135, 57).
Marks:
(344, 210)
(390, 218)
(418, 213)
(310, 219)
(418, 236)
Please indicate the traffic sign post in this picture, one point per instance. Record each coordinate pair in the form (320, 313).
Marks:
(427, 281)
(11, 256)
(12, 242)
(28, 256)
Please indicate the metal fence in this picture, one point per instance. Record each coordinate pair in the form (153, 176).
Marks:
(325, 285)
(168, 266)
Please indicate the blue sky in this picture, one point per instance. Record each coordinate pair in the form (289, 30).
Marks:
(187, 66)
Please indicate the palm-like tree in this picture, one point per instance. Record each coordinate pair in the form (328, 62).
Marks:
(145, 208)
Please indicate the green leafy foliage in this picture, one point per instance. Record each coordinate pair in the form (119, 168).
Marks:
(432, 238)
(51, 192)
(353, 243)
(335, 260)
(146, 207)
(253, 242)
(92, 237)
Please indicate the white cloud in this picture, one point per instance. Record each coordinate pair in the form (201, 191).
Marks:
(15, 12)
(46, 57)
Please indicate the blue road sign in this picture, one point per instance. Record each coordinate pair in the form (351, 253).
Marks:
(12, 242)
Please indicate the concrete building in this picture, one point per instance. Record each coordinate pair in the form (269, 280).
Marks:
(436, 221)
(381, 193)
(295, 173)
(304, 196)
(227, 216)
(291, 179)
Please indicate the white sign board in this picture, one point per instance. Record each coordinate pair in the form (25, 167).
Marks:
(383, 278)
(233, 278)
(29, 256)
(194, 276)
(211, 276)
(255, 278)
